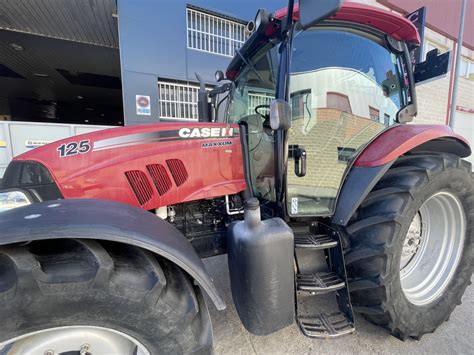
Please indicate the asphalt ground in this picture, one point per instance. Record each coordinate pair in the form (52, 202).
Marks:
(230, 337)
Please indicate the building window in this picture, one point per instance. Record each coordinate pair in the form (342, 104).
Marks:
(466, 69)
(339, 102)
(301, 104)
(178, 101)
(214, 34)
(257, 99)
(374, 114)
(386, 120)
(344, 154)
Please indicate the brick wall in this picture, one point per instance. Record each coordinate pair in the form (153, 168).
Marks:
(333, 129)
(433, 96)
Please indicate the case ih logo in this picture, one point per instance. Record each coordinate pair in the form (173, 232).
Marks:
(206, 132)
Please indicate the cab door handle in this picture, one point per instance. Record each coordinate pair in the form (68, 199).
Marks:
(300, 162)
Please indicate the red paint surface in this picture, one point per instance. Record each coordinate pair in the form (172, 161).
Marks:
(400, 139)
(442, 16)
(395, 25)
(100, 174)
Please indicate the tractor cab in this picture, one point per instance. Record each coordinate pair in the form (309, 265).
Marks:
(345, 80)
(345, 87)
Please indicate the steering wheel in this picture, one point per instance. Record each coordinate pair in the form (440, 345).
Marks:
(266, 116)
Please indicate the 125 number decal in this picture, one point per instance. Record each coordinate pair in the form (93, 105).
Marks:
(73, 148)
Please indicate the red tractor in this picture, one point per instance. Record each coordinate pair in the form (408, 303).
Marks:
(326, 201)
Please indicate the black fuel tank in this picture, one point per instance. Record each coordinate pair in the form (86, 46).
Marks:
(261, 270)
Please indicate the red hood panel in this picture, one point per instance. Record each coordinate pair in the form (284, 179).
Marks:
(165, 163)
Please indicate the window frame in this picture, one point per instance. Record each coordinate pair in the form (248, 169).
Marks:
(371, 109)
(296, 96)
(225, 36)
(339, 95)
(469, 64)
(175, 103)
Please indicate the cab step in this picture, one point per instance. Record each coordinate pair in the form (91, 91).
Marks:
(319, 282)
(323, 303)
(307, 240)
(331, 325)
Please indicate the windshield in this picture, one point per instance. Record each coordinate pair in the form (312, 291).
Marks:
(249, 102)
(345, 88)
(255, 85)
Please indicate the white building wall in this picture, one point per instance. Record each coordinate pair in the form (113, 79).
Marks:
(361, 90)
(19, 137)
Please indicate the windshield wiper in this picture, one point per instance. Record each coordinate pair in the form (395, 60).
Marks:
(249, 65)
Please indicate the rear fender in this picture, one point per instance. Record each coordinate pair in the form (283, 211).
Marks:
(106, 220)
(401, 139)
(381, 153)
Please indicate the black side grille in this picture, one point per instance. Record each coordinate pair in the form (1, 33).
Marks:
(160, 178)
(140, 185)
(178, 171)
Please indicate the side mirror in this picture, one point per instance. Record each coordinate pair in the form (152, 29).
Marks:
(280, 115)
(219, 75)
(434, 67)
(314, 11)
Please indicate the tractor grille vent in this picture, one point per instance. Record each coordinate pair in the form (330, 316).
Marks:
(178, 171)
(160, 178)
(140, 185)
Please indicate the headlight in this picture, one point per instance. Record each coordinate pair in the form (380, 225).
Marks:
(13, 199)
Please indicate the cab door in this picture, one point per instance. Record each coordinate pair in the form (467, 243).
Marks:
(346, 87)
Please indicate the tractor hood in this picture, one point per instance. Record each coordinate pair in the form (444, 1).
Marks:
(147, 166)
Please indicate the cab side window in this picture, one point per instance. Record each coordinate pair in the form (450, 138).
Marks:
(345, 88)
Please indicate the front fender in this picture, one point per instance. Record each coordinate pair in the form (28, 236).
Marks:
(106, 220)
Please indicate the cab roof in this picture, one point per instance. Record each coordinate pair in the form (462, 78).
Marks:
(393, 24)
(387, 22)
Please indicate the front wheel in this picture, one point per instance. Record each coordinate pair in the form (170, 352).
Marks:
(409, 254)
(88, 297)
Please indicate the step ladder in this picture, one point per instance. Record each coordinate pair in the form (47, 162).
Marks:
(324, 272)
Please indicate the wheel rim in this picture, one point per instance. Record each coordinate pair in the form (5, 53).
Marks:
(432, 248)
(81, 340)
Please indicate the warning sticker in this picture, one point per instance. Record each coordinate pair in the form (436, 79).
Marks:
(143, 105)
(294, 205)
(32, 143)
(3, 144)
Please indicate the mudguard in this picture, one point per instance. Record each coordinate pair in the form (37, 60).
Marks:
(401, 139)
(381, 153)
(106, 220)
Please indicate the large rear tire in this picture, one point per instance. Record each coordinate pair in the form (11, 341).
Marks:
(85, 296)
(408, 247)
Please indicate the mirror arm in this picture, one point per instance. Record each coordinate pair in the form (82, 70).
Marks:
(281, 135)
(286, 25)
(220, 89)
(407, 113)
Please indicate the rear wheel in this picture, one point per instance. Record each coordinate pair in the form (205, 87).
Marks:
(90, 297)
(409, 246)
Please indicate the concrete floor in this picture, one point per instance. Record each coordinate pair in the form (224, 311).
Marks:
(230, 337)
